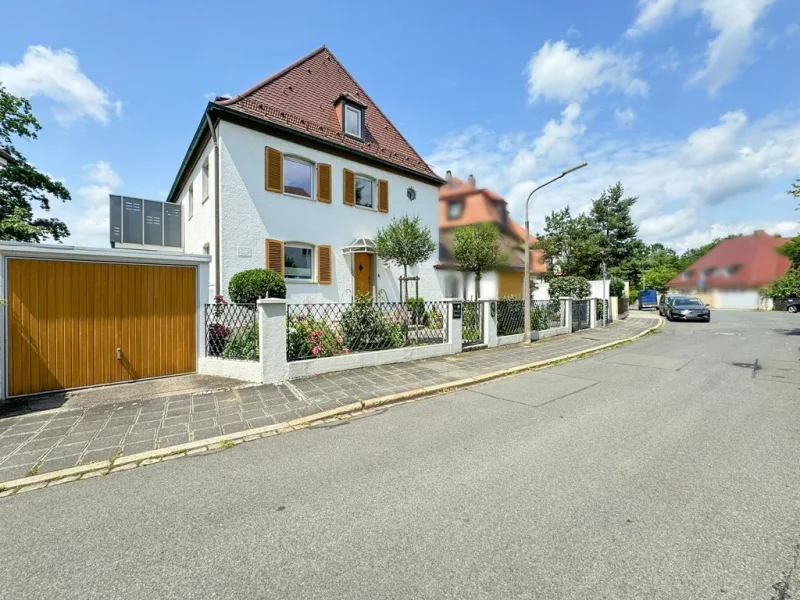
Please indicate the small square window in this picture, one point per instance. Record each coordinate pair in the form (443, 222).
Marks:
(298, 262)
(364, 195)
(454, 210)
(352, 121)
(298, 177)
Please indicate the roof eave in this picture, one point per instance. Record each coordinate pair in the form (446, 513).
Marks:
(224, 111)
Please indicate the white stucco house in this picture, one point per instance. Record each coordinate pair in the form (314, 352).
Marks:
(297, 174)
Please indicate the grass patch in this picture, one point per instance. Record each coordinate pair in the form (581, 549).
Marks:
(225, 444)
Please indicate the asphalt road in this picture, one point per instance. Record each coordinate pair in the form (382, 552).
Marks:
(668, 468)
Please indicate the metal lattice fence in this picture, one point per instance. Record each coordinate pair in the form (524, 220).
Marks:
(510, 316)
(599, 314)
(545, 314)
(580, 314)
(232, 331)
(332, 329)
(472, 324)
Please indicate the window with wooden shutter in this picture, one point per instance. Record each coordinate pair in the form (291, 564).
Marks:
(274, 252)
(324, 183)
(349, 187)
(383, 196)
(273, 170)
(324, 264)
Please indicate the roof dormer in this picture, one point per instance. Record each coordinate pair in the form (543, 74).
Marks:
(350, 113)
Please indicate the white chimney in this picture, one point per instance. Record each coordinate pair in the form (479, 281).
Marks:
(471, 180)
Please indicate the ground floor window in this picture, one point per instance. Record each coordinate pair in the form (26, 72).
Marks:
(298, 261)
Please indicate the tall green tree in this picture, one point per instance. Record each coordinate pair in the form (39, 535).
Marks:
(791, 250)
(476, 250)
(615, 233)
(21, 184)
(404, 242)
(567, 243)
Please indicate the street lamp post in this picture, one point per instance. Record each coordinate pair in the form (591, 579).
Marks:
(526, 280)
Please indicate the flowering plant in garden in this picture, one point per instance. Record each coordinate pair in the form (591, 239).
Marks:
(311, 338)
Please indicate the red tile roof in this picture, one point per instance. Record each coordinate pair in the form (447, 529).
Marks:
(302, 97)
(482, 205)
(752, 260)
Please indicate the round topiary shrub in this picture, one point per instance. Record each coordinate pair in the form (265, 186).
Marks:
(247, 287)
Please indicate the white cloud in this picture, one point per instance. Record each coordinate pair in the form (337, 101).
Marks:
(625, 117)
(558, 72)
(733, 22)
(56, 75)
(573, 31)
(686, 185)
(86, 215)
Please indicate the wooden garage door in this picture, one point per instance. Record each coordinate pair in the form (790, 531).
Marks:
(67, 320)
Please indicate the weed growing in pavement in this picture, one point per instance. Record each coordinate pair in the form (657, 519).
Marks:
(783, 587)
(225, 444)
(35, 468)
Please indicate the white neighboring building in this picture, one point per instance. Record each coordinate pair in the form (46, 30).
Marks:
(297, 174)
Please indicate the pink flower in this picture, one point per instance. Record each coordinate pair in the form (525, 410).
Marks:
(338, 339)
(315, 351)
(347, 350)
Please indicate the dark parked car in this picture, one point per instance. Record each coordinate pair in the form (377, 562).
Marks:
(688, 309)
(793, 305)
(665, 302)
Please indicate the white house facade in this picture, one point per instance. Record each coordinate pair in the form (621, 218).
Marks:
(265, 184)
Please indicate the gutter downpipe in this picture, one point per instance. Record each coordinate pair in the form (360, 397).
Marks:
(217, 188)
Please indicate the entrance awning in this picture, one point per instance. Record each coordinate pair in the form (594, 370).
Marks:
(359, 245)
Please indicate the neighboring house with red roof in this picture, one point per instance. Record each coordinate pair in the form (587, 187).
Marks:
(297, 174)
(732, 273)
(464, 203)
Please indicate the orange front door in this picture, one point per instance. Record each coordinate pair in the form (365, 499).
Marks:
(363, 274)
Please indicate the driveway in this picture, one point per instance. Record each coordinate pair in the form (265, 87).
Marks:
(668, 468)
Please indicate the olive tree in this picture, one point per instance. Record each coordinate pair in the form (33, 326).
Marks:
(476, 250)
(404, 242)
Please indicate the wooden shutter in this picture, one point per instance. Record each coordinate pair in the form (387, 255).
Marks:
(324, 264)
(324, 183)
(383, 196)
(274, 252)
(349, 187)
(273, 170)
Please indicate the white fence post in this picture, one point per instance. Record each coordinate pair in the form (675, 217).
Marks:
(272, 339)
(454, 325)
(593, 313)
(489, 306)
(613, 309)
(566, 310)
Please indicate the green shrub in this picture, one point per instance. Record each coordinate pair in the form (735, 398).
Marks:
(616, 287)
(365, 327)
(634, 295)
(416, 306)
(570, 287)
(242, 344)
(247, 287)
(309, 338)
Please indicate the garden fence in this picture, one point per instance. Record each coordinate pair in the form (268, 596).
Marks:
(232, 331)
(545, 314)
(332, 329)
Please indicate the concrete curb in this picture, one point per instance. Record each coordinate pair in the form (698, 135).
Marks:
(124, 463)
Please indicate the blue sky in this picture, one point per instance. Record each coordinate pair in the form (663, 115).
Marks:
(690, 103)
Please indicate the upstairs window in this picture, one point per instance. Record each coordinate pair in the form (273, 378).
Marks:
(364, 192)
(190, 200)
(454, 210)
(298, 177)
(353, 121)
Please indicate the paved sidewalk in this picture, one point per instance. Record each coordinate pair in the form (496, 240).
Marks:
(63, 438)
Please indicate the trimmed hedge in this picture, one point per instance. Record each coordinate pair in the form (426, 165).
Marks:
(247, 287)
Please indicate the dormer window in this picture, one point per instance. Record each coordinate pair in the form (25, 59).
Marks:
(353, 121)
(351, 115)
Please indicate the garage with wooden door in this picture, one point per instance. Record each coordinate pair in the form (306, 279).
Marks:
(76, 323)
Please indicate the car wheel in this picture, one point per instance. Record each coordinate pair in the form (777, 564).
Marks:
(792, 309)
